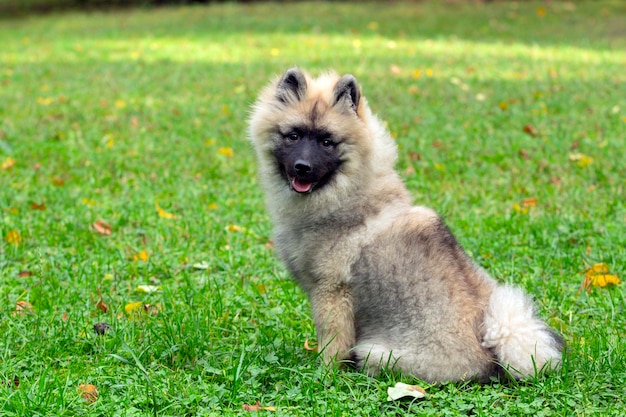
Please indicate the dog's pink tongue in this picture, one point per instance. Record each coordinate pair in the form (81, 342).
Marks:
(301, 186)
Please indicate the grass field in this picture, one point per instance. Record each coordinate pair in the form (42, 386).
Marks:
(128, 196)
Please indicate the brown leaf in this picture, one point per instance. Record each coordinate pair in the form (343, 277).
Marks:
(252, 407)
(24, 274)
(23, 308)
(524, 154)
(101, 305)
(529, 202)
(531, 130)
(308, 347)
(89, 392)
(415, 156)
(153, 309)
(37, 206)
(102, 227)
(15, 382)
(257, 407)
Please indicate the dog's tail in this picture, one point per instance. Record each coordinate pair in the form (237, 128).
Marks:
(523, 344)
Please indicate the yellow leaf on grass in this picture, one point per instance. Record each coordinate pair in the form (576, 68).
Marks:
(519, 209)
(44, 101)
(13, 237)
(581, 159)
(89, 392)
(133, 307)
(147, 289)
(602, 280)
(88, 202)
(8, 163)
(541, 11)
(162, 213)
(235, 228)
(141, 256)
(599, 276)
(226, 152)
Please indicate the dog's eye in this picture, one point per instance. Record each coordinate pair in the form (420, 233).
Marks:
(293, 136)
(327, 143)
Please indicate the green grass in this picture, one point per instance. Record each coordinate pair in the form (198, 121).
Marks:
(104, 114)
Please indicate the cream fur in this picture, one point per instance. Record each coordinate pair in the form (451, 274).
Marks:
(522, 342)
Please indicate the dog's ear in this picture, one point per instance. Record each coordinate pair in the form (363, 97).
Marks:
(348, 92)
(292, 86)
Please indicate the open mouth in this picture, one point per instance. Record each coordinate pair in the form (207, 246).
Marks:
(301, 186)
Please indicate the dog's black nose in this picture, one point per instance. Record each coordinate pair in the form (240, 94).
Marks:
(302, 167)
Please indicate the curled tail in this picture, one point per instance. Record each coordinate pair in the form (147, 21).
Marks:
(522, 343)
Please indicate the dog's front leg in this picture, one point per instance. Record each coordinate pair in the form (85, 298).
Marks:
(333, 313)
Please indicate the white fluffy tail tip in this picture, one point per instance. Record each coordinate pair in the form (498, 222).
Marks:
(523, 344)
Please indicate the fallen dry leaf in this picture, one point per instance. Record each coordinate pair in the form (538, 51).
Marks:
(141, 256)
(308, 347)
(531, 130)
(58, 181)
(226, 152)
(540, 11)
(23, 308)
(7, 163)
(102, 227)
(147, 289)
(235, 228)
(599, 276)
(402, 390)
(529, 202)
(13, 237)
(162, 213)
(101, 305)
(15, 382)
(581, 159)
(24, 274)
(89, 392)
(524, 154)
(133, 307)
(257, 407)
(153, 309)
(37, 206)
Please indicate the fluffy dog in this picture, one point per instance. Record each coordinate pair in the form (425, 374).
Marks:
(388, 283)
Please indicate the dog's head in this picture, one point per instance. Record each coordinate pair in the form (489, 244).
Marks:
(310, 132)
